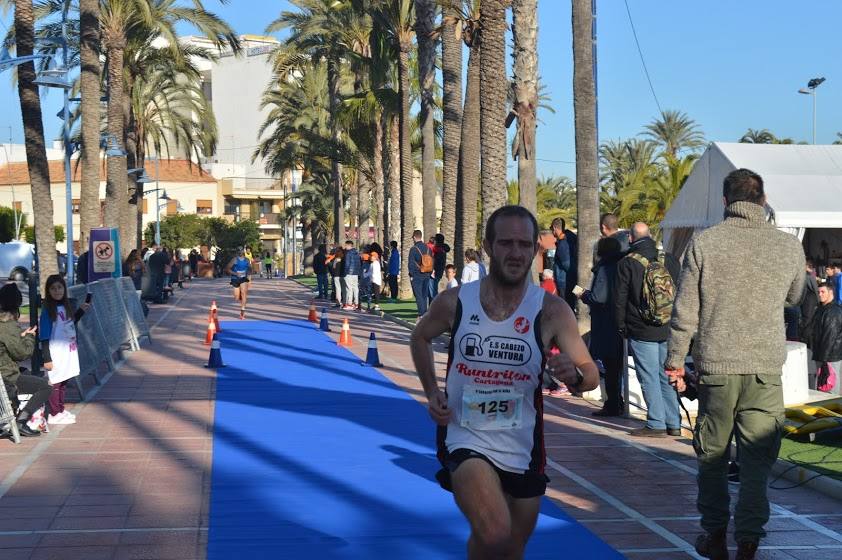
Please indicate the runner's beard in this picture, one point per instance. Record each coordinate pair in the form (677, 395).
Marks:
(498, 272)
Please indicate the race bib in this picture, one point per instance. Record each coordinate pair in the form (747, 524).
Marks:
(496, 408)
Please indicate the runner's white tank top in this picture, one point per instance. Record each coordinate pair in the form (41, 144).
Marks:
(494, 383)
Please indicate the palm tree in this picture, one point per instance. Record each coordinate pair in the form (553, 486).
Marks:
(33, 132)
(762, 136)
(425, 11)
(675, 131)
(395, 20)
(493, 87)
(89, 80)
(467, 191)
(649, 201)
(525, 38)
(315, 35)
(451, 68)
(587, 174)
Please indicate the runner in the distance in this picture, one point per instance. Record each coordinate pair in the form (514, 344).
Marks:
(490, 418)
(239, 269)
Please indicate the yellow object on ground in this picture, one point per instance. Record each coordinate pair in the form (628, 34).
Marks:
(810, 418)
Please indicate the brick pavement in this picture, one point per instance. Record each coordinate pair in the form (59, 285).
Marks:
(131, 479)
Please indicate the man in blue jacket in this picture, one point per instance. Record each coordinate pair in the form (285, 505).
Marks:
(353, 268)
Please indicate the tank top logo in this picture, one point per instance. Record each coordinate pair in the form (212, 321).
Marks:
(498, 350)
(522, 325)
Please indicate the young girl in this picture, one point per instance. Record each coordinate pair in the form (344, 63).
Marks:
(57, 334)
(239, 268)
(375, 273)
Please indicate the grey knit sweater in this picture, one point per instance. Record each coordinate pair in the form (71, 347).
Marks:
(736, 279)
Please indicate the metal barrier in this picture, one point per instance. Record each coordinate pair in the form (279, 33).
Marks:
(7, 414)
(114, 323)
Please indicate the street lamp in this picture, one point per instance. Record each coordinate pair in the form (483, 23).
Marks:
(811, 90)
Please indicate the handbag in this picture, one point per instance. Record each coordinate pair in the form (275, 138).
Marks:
(826, 378)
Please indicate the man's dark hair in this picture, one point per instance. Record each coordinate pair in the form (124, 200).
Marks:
(393, 244)
(558, 223)
(743, 185)
(829, 284)
(607, 246)
(509, 211)
(349, 243)
(449, 267)
(322, 248)
(10, 298)
(417, 233)
(609, 221)
(439, 238)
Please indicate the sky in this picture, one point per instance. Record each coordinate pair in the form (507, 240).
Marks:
(729, 65)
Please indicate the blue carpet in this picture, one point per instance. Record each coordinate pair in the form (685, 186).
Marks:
(318, 457)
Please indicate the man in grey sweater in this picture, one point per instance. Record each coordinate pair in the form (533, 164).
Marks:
(731, 301)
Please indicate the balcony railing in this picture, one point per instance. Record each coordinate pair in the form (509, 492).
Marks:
(262, 218)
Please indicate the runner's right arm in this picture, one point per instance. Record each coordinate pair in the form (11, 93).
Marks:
(437, 321)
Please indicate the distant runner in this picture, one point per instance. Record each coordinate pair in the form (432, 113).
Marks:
(490, 418)
(239, 268)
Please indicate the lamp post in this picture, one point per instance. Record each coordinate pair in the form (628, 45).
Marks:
(811, 90)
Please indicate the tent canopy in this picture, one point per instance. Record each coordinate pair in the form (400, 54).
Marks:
(803, 185)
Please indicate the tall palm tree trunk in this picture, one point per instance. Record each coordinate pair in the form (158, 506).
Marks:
(451, 56)
(493, 85)
(36, 152)
(378, 194)
(335, 177)
(525, 35)
(353, 208)
(89, 79)
(395, 180)
(136, 189)
(587, 176)
(467, 193)
(363, 208)
(407, 211)
(116, 190)
(424, 13)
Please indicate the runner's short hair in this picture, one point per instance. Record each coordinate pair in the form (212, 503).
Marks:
(511, 210)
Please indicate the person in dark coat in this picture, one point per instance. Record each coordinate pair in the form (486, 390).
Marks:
(606, 344)
(320, 270)
(82, 269)
(809, 304)
(826, 339)
(562, 261)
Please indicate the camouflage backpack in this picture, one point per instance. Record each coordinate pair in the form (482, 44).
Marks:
(658, 291)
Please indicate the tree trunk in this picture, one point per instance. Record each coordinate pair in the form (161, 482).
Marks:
(394, 179)
(353, 214)
(116, 190)
(587, 175)
(363, 207)
(525, 35)
(424, 14)
(493, 85)
(407, 211)
(451, 54)
(132, 240)
(378, 196)
(335, 176)
(308, 247)
(89, 79)
(469, 162)
(36, 152)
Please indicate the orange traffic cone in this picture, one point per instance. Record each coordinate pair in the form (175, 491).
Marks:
(345, 335)
(210, 333)
(312, 315)
(214, 315)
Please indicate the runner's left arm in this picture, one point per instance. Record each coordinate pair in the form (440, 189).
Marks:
(558, 323)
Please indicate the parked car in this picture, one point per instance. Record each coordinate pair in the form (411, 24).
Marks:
(16, 260)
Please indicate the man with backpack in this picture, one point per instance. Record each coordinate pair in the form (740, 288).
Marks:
(420, 266)
(643, 294)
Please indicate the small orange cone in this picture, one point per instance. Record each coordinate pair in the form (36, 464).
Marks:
(214, 316)
(312, 315)
(210, 333)
(345, 335)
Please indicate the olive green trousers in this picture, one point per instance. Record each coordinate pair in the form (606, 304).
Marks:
(751, 407)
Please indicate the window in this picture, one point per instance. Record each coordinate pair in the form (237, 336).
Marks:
(172, 207)
(204, 207)
(145, 207)
(75, 204)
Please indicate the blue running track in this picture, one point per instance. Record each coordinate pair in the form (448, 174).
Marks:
(318, 457)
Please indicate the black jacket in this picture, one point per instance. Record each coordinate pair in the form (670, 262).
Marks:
(809, 305)
(827, 333)
(629, 289)
(319, 266)
(605, 340)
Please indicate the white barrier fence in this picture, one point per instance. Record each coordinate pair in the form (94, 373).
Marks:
(114, 323)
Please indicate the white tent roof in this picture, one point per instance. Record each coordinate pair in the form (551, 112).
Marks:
(803, 184)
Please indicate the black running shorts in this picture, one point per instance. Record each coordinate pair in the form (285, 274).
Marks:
(528, 484)
(237, 281)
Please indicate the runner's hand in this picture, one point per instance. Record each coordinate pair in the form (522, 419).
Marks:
(438, 408)
(562, 369)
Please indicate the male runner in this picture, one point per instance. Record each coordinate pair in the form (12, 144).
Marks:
(239, 269)
(490, 418)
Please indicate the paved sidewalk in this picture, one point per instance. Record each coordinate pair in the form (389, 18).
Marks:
(131, 478)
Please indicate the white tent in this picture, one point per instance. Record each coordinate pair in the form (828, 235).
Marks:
(803, 186)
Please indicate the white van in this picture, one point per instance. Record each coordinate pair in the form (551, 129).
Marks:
(16, 258)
